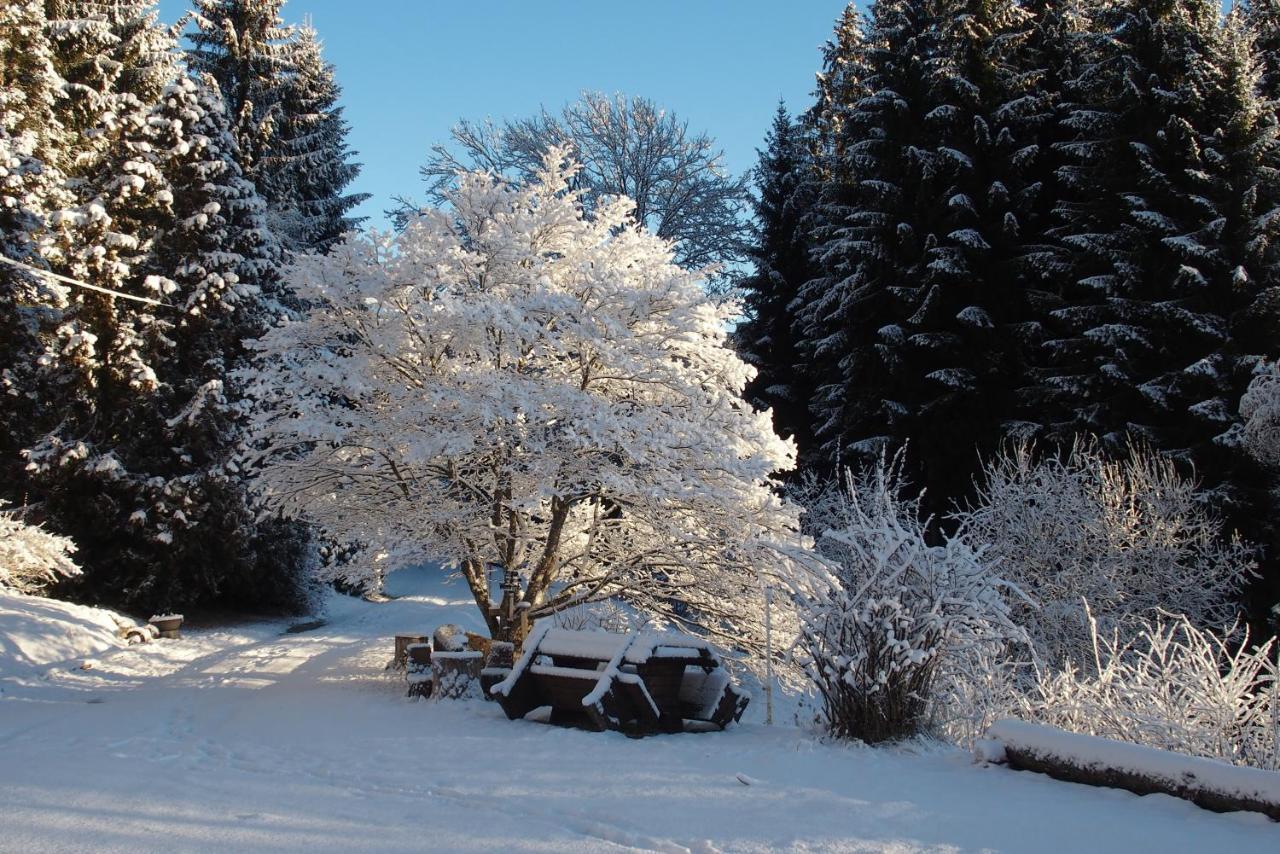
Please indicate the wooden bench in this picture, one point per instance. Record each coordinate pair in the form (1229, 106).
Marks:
(641, 683)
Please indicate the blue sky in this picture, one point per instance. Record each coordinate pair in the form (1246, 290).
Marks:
(411, 68)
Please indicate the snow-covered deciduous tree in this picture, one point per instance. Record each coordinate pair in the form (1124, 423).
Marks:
(676, 179)
(516, 382)
(31, 558)
(886, 614)
(1129, 536)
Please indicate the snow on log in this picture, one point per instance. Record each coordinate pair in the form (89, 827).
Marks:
(1144, 770)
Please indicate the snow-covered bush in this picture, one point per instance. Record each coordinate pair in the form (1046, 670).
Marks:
(1260, 409)
(31, 558)
(1129, 536)
(885, 613)
(1165, 683)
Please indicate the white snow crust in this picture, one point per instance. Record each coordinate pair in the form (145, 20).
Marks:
(249, 739)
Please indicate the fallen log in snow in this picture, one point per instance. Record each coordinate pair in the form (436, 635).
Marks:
(1095, 761)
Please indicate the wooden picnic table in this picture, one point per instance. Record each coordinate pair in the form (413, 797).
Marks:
(642, 682)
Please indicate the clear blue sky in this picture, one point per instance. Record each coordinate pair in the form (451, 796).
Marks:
(411, 68)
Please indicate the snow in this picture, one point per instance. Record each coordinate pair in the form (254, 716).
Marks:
(1175, 769)
(602, 645)
(246, 738)
(649, 645)
(36, 633)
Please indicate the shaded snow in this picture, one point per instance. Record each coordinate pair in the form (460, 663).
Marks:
(250, 739)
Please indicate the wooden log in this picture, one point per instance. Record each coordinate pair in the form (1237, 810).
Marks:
(419, 655)
(457, 674)
(1143, 770)
(401, 657)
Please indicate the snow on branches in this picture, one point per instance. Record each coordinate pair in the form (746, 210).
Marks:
(1165, 683)
(889, 615)
(1260, 409)
(1129, 536)
(31, 558)
(513, 381)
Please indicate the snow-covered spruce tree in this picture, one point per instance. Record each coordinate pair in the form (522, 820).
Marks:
(1131, 537)
(970, 320)
(768, 338)
(309, 165)
(513, 382)
(223, 263)
(886, 615)
(1168, 191)
(31, 185)
(872, 221)
(134, 459)
(819, 333)
(31, 559)
(282, 98)
(924, 234)
(246, 47)
(1262, 18)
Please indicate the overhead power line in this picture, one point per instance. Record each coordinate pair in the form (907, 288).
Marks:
(76, 283)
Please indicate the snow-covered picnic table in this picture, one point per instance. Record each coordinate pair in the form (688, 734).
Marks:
(642, 682)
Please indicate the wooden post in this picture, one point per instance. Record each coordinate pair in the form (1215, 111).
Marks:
(768, 655)
(402, 649)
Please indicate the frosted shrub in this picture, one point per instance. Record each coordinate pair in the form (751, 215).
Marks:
(886, 613)
(1169, 685)
(31, 559)
(1260, 409)
(1129, 536)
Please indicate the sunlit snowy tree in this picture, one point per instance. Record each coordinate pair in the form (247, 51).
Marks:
(515, 382)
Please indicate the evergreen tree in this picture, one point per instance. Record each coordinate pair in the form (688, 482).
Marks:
(128, 180)
(768, 338)
(1262, 18)
(310, 165)
(1170, 212)
(244, 46)
(30, 187)
(283, 97)
(1166, 210)
(926, 231)
(871, 225)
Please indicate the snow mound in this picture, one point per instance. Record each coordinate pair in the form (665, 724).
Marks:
(36, 632)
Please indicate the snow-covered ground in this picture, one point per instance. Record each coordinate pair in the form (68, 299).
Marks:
(251, 739)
